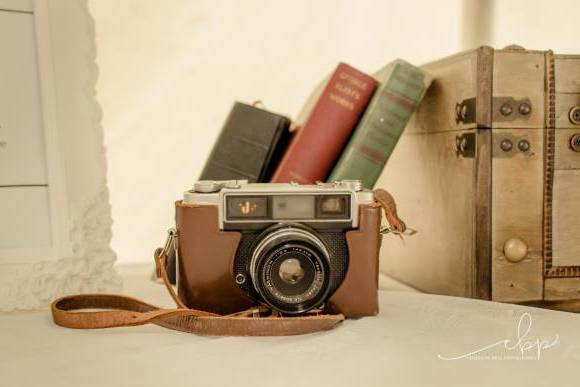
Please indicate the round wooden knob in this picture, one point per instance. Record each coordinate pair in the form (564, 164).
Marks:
(515, 249)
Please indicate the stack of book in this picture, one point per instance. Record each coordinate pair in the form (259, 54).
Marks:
(347, 130)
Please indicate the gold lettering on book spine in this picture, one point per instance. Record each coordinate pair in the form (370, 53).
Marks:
(353, 81)
(341, 101)
(345, 91)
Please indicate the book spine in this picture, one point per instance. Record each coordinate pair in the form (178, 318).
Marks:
(249, 146)
(379, 129)
(315, 148)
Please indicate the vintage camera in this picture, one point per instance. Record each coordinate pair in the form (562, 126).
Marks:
(291, 247)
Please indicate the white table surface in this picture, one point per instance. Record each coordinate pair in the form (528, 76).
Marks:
(400, 347)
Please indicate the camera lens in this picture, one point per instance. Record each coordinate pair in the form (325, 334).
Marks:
(290, 269)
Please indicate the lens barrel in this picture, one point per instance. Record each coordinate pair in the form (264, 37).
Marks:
(290, 268)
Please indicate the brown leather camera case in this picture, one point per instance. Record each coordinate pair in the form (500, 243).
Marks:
(206, 257)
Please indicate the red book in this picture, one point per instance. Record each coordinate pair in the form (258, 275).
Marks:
(315, 148)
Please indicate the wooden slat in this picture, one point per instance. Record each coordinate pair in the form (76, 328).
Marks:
(517, 197)
(519, 75)
(567, 73)
(566, 218)
(562, 288)
(434, 191)
(483, 175)
(566, 158)
(483, 212)
(453, 82)
(564, 103)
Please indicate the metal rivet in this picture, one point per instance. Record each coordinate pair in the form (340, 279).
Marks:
(524, 145)
(525, 109)
(575, 142)
(506, 109)
(240, 278)
(575, 115)
(460, 112)
(460, 143)
(506, 145)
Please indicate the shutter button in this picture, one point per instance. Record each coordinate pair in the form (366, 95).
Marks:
(207, 186)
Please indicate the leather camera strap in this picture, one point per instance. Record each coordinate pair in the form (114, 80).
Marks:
(122, 311)
(125, 311)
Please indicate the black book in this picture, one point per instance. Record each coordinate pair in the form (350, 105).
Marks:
(249, 146)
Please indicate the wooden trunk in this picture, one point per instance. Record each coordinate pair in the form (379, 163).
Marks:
(488, 173)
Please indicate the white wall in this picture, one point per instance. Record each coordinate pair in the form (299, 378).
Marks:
(170, 71)
(533, 24)
(538, 24)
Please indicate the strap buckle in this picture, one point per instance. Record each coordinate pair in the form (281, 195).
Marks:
(162, 253)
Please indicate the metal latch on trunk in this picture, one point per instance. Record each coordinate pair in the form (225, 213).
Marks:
(465, 145)
(505, 109)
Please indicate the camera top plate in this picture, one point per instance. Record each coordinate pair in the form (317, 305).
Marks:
(285, 195)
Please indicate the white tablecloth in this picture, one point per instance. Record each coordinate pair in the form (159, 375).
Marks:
(403, 346)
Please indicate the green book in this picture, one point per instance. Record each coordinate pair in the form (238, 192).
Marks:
(401, 88)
